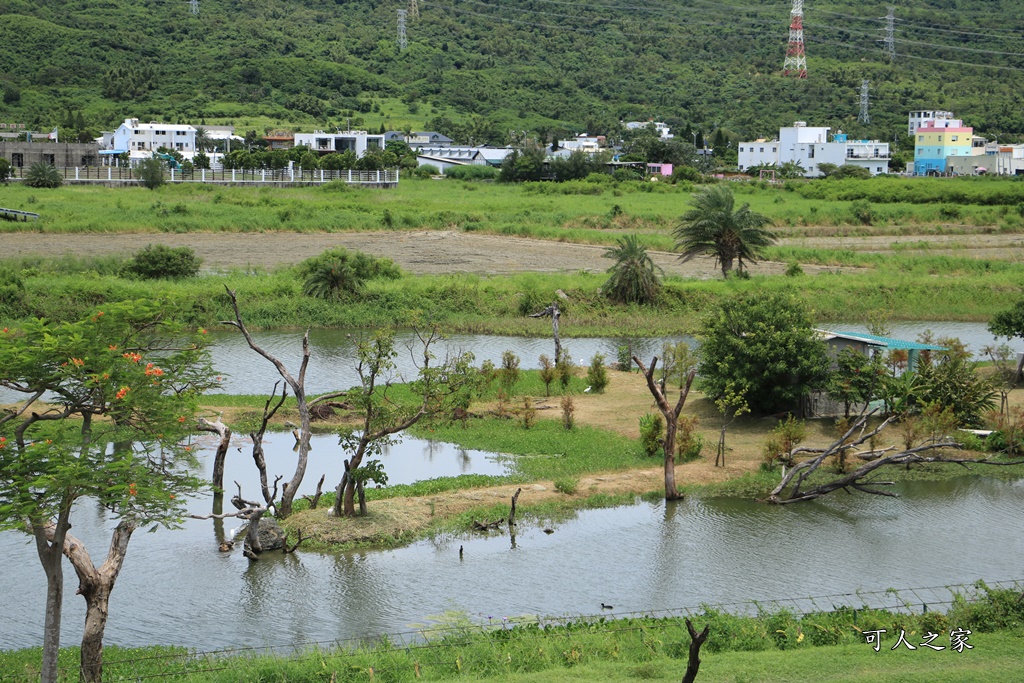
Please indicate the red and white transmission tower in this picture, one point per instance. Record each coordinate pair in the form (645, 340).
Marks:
(796, 60)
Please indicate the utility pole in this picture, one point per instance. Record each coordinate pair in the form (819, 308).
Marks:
(864, 117)
(402, 42)
(193, 6)
(890, 34)
(796, 59)
(414, 9)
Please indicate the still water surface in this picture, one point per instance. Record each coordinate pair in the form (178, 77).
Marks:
(333, 352)
(176, 588)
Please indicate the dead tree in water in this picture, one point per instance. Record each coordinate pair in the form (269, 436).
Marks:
(876, 458)
(221, 430)
(671, 420)
(553, 313)
(298, 386)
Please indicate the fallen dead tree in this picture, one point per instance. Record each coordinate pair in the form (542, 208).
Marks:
(791, 488)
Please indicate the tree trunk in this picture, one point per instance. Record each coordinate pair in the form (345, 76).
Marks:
(512, 514)
(95, 585)
(50, 558)
(361, 491)
(671, 416)
(224, 432)
(696, 640)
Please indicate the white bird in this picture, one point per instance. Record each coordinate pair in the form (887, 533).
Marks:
(587, 390)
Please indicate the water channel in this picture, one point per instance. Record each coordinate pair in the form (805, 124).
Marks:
(333, 352)
(176, 588)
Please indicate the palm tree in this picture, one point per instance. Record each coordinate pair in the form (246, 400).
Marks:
(711, 226)
(203, 139)
(332, 279)
(42, 174)
(634, 277)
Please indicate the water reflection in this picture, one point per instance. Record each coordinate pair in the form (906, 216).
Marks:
(176, 588)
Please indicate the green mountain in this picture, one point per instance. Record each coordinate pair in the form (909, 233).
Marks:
(481, 69)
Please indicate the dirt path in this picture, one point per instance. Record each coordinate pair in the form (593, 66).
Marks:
(417, 252)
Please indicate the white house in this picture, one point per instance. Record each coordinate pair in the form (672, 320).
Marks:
(660, 128)
(140, 140)
(358, 141)
(812, 146)
(446, 157)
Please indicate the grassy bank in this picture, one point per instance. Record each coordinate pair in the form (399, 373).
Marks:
(577, 211)
(773, 646)
(908, 287)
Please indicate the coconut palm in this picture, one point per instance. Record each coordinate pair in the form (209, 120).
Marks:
(634, 277)
(203, 139)
(711, 226)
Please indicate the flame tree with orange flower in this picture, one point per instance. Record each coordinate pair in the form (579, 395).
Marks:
(122, 376)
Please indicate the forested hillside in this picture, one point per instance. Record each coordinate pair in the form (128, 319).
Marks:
(482, 68)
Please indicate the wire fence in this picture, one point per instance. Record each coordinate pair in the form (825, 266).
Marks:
(129, 175)
(436, 648)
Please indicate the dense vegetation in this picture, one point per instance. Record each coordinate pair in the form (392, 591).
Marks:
(481, 69)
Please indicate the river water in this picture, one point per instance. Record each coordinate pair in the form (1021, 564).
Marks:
(333, 352)
(176, 588)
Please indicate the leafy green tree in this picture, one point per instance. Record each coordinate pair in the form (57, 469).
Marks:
(522, 164)
(634, 277)
(762, 347)
(5, 170)
(437, 388)
(120, 376)
(151, 172)
(713, 226)
(42, 175)
(201, 161)
(597, 374)
(1009, 323)
(856, 378)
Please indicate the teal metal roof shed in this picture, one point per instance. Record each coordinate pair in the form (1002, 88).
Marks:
(889, 342)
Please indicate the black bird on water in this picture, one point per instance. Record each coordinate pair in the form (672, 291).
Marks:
(604, 606)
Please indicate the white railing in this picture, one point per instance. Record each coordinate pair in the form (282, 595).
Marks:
(100, 174)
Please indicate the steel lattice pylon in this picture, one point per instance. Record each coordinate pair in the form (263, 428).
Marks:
(796, 59)
(864, 117)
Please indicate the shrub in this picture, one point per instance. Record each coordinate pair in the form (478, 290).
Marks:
(625, 358)
(528, 413)
(597, 374)
(426, 171)
(157, 261)
(568, 412)
(794, 269)
(689, 442)
(42, 175)
(472, 172)
(338, 272)
(5, 170)
(567, 485)
(547, 373)
(509, 370)
(564, 369)
(151, 173)
(651, 429)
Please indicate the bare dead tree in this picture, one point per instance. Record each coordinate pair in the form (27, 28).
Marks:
(298, 386)
(876, 458)
(251, 512)
(553, 313)
(270, 408)
(512, 512)
(671, 416)
(221, 430)
(314, 500)
(696, 640)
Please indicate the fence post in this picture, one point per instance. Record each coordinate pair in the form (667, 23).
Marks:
(172, 175)
(232, 175)
(321, 175)
(202, 174)
(109, 171)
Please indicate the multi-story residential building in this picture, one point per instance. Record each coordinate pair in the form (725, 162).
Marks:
(938, 139)
(140, 140)
(811, 146)
(358, 141)
(660, 128)
(919, 118)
